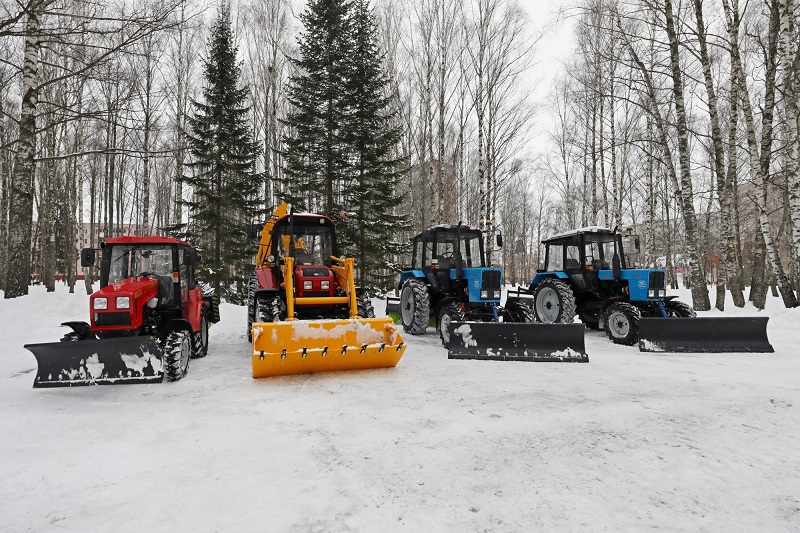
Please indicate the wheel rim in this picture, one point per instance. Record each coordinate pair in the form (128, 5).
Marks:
(444, 327)
(548, 305)
(619, 324)
(407, 306)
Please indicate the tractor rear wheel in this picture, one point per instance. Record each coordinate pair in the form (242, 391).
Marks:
(676, 308)
(177, 349)
(365, 309)
(517, 311)
(415, 307)
(621, 322)
(553, 302)
(252, 286)
(200, 340)
(448, 314)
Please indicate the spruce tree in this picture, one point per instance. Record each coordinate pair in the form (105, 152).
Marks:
(373, 136)
(315, 153)
(221, 172)
(341, 153)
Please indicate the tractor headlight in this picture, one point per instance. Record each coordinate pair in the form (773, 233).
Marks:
(123, 302)
(484, 295)
(308, 285)
(654, 293)
(101, 303)
(325, 285)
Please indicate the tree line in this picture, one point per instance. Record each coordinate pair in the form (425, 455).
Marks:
(680, 119)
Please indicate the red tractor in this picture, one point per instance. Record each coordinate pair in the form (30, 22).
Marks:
(148, 319)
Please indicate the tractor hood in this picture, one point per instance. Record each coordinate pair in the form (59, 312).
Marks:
(128, 287)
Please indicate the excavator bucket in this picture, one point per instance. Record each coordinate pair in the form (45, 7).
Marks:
(711, 335)
(309, 346)
(517, 342)
(120, 360)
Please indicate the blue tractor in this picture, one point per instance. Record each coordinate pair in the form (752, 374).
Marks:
(449, 281)
(586, 272)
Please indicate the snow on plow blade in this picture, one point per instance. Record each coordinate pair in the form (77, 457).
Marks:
(517, 342)
(301, 347)
(711, 335)
(92, 362)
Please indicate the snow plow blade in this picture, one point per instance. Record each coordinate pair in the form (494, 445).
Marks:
(709, 335)
(98, 362)
(517, 342)
(302, 347)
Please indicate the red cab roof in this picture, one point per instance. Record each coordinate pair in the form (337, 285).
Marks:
(153, 239)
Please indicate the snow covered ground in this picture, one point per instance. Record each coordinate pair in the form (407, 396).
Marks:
(628, 442)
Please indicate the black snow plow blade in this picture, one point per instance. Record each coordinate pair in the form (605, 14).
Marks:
(517, 342)
(92, 362)
(709, 335)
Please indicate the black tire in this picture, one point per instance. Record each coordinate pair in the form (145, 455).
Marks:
(676, 308)
(553, 302)
(177, 349)
(365, 309)
(268, 309)
(252, 286)
(447, 314)
(415, 307)
(589, 317)
(516, 311)
(200, 340)
(621, 322)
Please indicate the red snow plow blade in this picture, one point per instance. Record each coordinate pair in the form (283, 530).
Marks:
(704, 335)
(135, 359)
(514, 341)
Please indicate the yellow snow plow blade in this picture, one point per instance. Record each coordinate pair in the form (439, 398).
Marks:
(300, 346)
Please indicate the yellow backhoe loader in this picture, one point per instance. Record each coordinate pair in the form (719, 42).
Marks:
(304, 311)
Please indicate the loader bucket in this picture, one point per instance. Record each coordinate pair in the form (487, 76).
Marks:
(512, 341)
(92, 362)
(306, 346)
(710, 335)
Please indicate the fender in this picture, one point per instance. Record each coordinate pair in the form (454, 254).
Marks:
(541, 276)
(266, 279)
(177, 324)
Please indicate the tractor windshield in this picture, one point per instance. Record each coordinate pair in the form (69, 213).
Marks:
(470, 245)
(132, 261)
(599, 250)
(313, 245)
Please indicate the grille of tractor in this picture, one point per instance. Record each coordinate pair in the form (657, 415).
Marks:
(491, 279)
(658, 280)
(112, 319)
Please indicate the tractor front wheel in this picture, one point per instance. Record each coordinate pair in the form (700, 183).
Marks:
(415, 307)
(517, 311)
(252, 287)
(553, 302)
(676, 308)
(268, 309)
(365, 309)
(177, 349)
(621, 322)
(448, 314)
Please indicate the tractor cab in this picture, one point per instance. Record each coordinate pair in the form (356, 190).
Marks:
(452, 261)
(586, 255)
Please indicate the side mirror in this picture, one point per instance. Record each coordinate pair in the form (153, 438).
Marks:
(499, 240)
(190, 257)
(636, 243)
(87, 257)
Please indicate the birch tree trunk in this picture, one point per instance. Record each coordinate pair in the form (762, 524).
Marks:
(758, 161)
(699, 289)
(21, 187)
